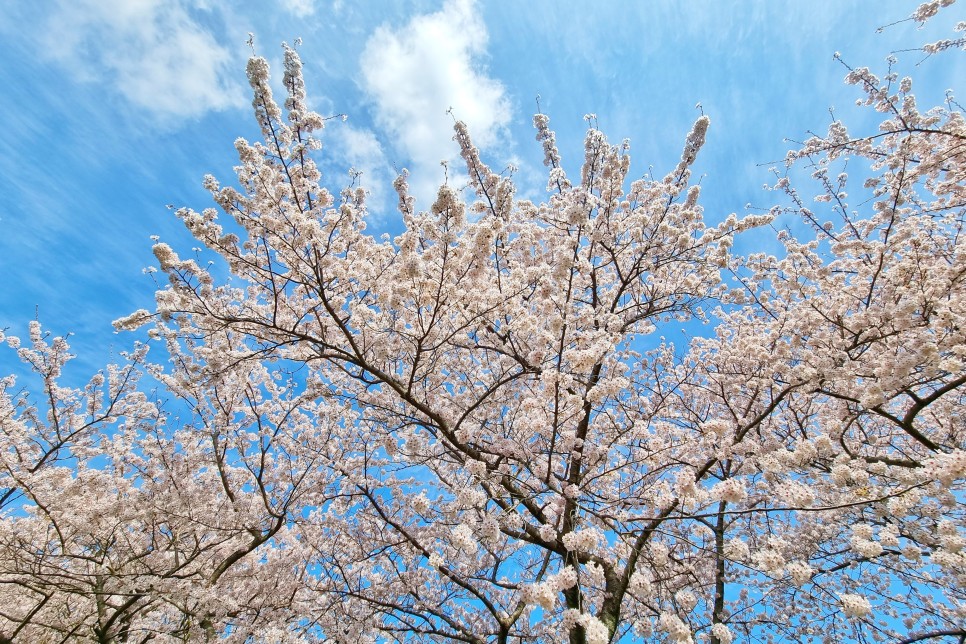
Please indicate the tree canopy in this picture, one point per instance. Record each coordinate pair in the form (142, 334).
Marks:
(486, 429)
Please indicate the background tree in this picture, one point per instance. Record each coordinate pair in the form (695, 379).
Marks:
(475, 432)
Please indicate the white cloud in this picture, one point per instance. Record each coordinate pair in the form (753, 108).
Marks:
(152, 52)
(361, 150)
(300, 8)
(416, 72)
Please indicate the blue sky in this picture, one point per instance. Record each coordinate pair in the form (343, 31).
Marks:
(113, 109)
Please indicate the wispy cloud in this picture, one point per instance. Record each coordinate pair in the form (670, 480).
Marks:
(416, 72)
(300, 8)
(361, 150)
(157, 54)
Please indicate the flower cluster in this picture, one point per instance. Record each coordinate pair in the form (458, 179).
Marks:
(855, 605)
(482, 426)
(583, 540)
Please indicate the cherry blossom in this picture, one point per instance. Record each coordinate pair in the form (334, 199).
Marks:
(488, 429)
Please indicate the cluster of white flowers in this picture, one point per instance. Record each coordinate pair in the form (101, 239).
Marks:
(133, 321)
(716, 426)
(569, 618)
(951, 561)
(677, 630)
(643, 628)
(594, 629)
(854, 605)
(606, 388)
(640, 583)
(904, 504)
(862, 530)
(912, 552)
(549, 139)
(463, 538)
(583, 540)
(948, 534)
(686, 487)
(768, 560)
(841, 474)
(948, 467)
(795, 494)
(470, 497)
(547, 532)
(420, 503)
(686, 600)
(540, 594)
(927, 10)
(279, 635)
(729, 491)
(490, 530)
(800, 572)
(862, 543)
(476, 468)
(736, 549)
(595, 573)
(722, 633)
(566, 578)
(660, 554)
(165, 255)
(803, 454)
(950, 554)
(512, 521)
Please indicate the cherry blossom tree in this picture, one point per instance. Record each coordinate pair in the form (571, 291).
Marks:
(476, 432)
(125, 528)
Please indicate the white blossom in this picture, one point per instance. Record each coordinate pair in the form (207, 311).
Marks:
(855, 605)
